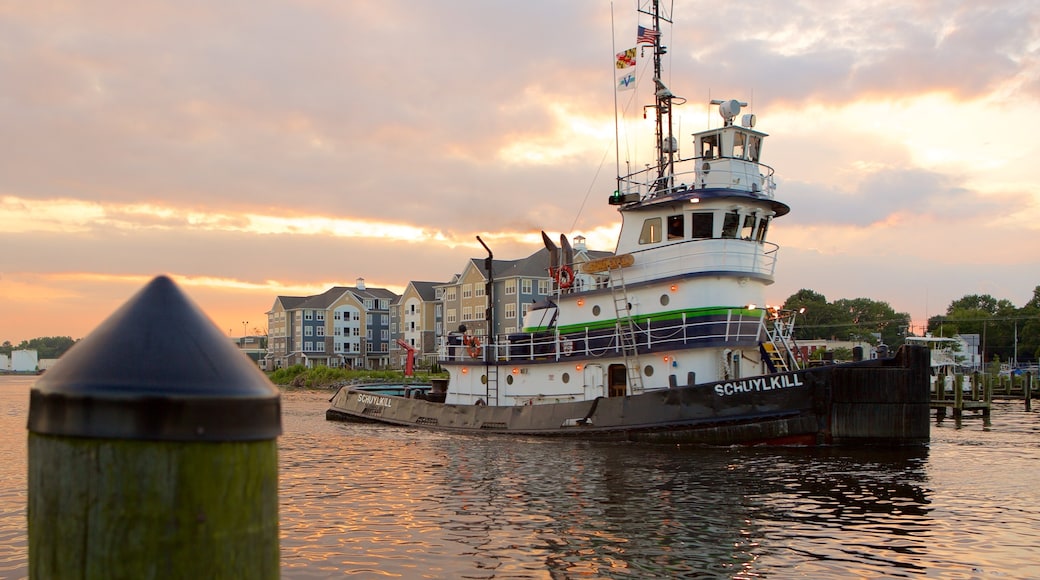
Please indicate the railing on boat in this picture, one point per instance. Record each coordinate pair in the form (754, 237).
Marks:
(735, 329)
(723, 172)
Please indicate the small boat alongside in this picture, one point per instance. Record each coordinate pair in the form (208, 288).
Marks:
(664, 341)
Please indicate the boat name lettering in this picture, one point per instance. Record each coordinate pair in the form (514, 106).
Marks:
(758, 384)
(366, 399)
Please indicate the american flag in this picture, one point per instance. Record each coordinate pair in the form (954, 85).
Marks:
(646, 35)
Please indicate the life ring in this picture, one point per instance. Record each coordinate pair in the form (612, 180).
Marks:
(564, 276)
(472, 345)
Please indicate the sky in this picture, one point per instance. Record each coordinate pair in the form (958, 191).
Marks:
(256, 149)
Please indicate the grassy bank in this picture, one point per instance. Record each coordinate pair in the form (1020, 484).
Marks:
(321, 377)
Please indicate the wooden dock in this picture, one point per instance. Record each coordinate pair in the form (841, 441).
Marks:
(981, 391)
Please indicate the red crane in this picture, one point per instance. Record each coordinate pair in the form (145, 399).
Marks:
(409, 365)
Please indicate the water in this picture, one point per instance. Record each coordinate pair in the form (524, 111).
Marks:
(366, 501)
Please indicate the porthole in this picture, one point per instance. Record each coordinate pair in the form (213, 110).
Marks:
(648, 371)
(664, 300)
(509, 379)
(595, 310)
(566, 378)
(483, 379)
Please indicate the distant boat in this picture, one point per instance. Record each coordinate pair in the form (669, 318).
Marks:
(663, 341)
(941, 359)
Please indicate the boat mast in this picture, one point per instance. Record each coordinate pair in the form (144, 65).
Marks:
(666, 143)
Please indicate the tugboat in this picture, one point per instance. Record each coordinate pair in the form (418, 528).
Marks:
(667, 340)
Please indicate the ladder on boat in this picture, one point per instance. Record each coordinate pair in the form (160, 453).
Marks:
(779, 351)
(776, 362)
(626, 329)
(491, 372)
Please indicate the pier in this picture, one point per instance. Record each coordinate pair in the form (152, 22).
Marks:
(980, 393)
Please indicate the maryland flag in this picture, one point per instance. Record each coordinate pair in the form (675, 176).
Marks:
(626, 59)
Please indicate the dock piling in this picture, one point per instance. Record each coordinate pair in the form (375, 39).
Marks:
(152, 451)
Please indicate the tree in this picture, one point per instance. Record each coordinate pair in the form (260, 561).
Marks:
(844, 319)
(45, 346)
(1005, 331)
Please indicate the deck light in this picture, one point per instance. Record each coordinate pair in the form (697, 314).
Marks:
(674, 288)
(465, 370)
(581, 302)
(577, 367)
(516, 370)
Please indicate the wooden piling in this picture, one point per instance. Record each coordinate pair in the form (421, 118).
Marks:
(1027, 390)
(152, 452)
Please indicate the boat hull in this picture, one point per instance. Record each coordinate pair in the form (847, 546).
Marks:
(872, 402)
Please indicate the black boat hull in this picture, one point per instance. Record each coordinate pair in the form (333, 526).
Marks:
(872, 402)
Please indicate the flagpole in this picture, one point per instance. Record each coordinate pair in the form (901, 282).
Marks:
(613, 75)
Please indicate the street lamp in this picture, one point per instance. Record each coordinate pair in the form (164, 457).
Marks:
(245, 323)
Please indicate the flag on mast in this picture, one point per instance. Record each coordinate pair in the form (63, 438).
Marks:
(646, 35)
(626, 82)
(626, 59)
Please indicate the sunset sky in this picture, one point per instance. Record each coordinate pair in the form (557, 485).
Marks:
(253, 149)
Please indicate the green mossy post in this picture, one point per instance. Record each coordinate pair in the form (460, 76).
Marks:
(153, 452)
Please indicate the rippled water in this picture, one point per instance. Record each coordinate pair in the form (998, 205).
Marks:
(367, 501)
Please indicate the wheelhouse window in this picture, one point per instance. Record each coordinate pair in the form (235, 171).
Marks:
(702, 224)
(739, 140)
(762, 227)
(754, 147)
(731, 225)
(676, 229)
(651, 233)
(749, 227)
(710, 146)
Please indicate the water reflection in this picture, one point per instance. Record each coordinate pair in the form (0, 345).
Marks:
(488, 507)
(367, 501)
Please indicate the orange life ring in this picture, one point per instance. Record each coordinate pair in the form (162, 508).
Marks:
(472, 345)
(564, 276)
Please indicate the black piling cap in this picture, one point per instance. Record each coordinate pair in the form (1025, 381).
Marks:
(156, 369)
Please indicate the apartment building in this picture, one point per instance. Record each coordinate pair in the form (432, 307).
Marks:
(341, 327)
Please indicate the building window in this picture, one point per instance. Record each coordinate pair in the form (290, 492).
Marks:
(308, 314)
(384, 334)
(543, 287)
(308, 331)
(524, 308)
(308, 346)
(319, 347)
(449, 294)
(384, 319)
(319, 331)
(449, 316)
(467, 291)
(526, 285)
(467, 313)
(479, 290)
(510, 287)
(319, 315)
(510, 310)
